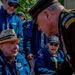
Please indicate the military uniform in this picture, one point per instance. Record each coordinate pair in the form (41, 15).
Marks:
(66, 28)
(66, 32)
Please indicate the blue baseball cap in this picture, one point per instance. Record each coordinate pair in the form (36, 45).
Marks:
(21, 14)
(54, 38)
(15, 1)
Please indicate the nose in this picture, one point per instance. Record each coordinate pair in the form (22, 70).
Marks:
(16, 46)
(12, 8)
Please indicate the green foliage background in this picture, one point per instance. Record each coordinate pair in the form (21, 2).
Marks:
(25, 5)
(61, 1)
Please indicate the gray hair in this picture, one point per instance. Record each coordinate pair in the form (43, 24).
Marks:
(53, 7)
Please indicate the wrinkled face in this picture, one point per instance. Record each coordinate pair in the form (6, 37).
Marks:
(53, 47)
(10, 7)
(46, 23)
(9, 49)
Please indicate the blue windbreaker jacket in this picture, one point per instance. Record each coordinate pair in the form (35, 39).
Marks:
(19, 67)
(13, 22)
(32, 39)
(44, 61)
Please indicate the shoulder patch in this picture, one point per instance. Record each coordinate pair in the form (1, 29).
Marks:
(66, 17)
(68, 23)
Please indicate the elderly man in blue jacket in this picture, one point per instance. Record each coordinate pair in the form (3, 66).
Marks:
(11, 61)
(8, 19)
(49, 58)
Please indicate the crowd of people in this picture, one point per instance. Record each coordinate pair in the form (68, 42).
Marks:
(41, 46)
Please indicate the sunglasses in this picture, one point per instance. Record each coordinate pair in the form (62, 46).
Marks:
(54, 44)
(12, 5)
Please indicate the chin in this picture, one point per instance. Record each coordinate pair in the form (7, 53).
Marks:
(9, 12)
(14, 54)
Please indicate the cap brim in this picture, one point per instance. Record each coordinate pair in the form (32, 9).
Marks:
(15, 40)
(15, 2)
(54, 42)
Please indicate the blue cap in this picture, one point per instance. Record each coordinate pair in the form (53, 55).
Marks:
(15, 1)
(21, 14)
(54, 38)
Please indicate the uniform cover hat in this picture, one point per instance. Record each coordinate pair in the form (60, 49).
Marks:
(54, 38)
(39, 6)
(8, 35)
(15, 1)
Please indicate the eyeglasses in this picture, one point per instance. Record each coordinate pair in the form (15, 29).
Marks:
(12, 5)
(54, 44)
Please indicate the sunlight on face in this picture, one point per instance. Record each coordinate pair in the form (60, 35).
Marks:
(43, 23)
(9, 9)
(9, 49)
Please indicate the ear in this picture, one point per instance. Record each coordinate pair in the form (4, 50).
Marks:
(47, 13)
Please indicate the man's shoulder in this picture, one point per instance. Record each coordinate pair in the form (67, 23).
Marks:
(21, 58)
(15, 18)
(67, 18)
(61, 53)
(43, 50)
(19, 55)
(28, 24)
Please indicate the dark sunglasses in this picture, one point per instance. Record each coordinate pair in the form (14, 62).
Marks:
(54, 44)
(12, 5)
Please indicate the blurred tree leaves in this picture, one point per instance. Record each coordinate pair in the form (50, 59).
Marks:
(61, 1)
(25, 5)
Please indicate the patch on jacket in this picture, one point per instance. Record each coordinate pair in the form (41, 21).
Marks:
(68, 23)
(13, 23)
(19, 66)
(66, 18)
(40, 54)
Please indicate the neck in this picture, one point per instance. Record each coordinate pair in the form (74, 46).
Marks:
(60, 8)
(10, 59)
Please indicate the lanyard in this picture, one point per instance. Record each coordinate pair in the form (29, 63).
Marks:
(42, 39)
(8, 19)
(56, 62)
